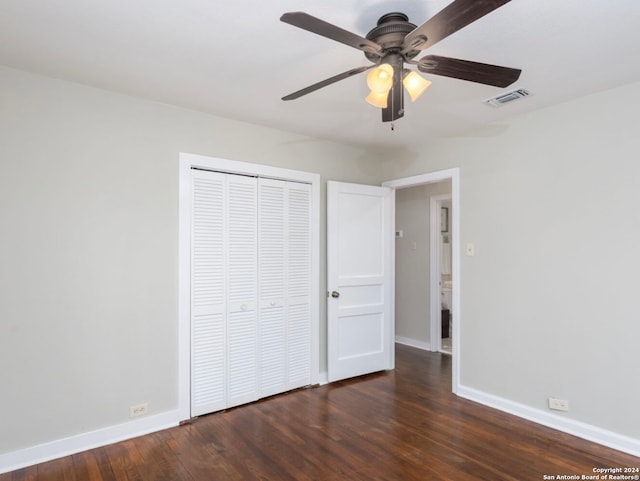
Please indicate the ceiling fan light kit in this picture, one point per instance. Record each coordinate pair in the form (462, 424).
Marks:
(380, 79)
(379, 100)
(415, 84)
(394, 42)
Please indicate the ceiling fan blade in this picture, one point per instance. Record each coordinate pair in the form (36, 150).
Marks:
(452, 18)
(324, 83)
(482, 73)
(315, 25)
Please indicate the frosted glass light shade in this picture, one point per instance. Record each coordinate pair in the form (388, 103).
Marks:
(378, 100)
(415, 85)
(380, 79)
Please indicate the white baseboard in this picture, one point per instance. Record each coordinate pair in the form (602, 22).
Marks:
(570, 426)
(85, 441)
(413, 343)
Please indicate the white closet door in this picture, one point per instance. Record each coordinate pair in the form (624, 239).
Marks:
(284, 284)
(272, 284)
(208, 293)
(298, 305)
(242, 275)
(251, 281)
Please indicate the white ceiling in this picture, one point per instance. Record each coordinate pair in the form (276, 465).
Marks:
(236, 59)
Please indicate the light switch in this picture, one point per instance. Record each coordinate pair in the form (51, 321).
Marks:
(471, 249)
(414, 245)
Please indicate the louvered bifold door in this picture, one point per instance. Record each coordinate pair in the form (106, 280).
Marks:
(272, 261)
(298, 299)
(242, 277)
(208, 293)
(250, 284)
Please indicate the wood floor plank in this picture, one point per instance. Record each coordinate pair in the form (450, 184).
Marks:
(401, 425)
(25, 474)
(61, 469)
(87, 466)
(196, 456)
(125, 461)
(159, 463)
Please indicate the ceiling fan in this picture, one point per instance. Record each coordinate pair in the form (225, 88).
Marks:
(394, 42)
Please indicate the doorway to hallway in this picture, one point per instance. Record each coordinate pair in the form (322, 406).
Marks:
(427, 263)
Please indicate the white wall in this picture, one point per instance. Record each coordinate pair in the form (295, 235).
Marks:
(412, 290)
(549, 302)
(89, 216)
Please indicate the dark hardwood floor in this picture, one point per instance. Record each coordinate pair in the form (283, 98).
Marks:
(399, 425)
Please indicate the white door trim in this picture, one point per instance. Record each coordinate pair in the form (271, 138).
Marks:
(429, 178)
(186, 163)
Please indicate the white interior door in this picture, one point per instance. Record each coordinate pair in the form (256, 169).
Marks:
(360, 246)
(299, 341)
(208, 293)
(284, 285)
(272, 262)
(242, 290)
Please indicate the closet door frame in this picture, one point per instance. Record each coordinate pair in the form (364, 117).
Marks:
(187, 162)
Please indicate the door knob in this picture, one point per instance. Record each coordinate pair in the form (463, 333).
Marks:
(335, 294)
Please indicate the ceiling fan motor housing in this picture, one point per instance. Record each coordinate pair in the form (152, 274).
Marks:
(389, 33)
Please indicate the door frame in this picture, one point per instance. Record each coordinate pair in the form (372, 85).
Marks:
(186, 163)
(435, 297)
(429, 178)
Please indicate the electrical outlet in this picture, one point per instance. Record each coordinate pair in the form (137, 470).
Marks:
(558, 404)
(139, 410)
